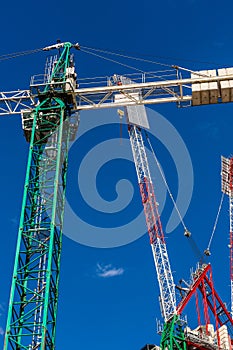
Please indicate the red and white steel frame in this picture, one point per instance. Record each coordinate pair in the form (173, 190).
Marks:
(161, 260)
(231, 227)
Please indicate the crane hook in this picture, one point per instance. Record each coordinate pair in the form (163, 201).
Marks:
(207, 252)
(187, 233)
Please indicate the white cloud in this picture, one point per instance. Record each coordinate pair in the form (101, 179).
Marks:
(106, 271)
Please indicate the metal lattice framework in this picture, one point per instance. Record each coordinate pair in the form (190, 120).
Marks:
(154, 226)
(34, 293)
(12, 102)
(211, 302)
(227, 188)
(195, 90)
(45, 110)
(173, 335)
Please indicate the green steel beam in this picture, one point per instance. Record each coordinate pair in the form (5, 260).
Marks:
(61, 66)
(31, 322)
(173, 335)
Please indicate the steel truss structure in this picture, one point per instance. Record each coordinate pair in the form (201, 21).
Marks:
(227, 188)
(154, 226)
(34, 293)
(12, 102)
(211, 302)
(173, 336)
(46, 111)
(180, 91)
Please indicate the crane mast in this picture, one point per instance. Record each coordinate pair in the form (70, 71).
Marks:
(136, 117)
(154, 226)
(173, 334)
(34, 293)
(227, 188)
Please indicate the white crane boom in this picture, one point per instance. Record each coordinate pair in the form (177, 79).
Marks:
(199, 89)
(227, 188)
(154, 226)
(136, 115)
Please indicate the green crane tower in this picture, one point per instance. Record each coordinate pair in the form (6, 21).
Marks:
(49, 128)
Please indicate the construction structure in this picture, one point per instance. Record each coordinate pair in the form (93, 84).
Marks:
(227, 188)
(50, 120)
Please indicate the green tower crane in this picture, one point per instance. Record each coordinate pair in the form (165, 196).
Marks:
(49, 127)
(34, 292)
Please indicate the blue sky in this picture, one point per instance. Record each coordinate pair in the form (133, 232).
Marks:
(109, 297)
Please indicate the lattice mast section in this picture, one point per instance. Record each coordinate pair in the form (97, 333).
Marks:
(31, 322)
(154, 226)
(227, 188)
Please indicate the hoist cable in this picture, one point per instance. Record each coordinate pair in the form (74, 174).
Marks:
(216, 221)
(121, 64)
(193, 244)
(196, 250)
(166, 184)
(126, 56)
(144, 60)
(111, 60)
(17, 54)
(151, 55)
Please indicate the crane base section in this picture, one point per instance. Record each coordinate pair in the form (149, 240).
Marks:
(173, 335)
(198, 338)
